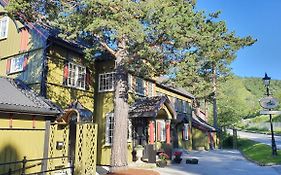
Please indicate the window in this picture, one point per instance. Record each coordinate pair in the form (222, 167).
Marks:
(16, 64)
(109, 128)
(161, 131)
(139, 86)
(184, 107)
(185, 132)
(150, 89)
(4, 27)
(76, 76)
(129, 130)
(130, 82)
(106, 82)
(178, 105)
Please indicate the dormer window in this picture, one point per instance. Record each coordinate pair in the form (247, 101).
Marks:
(4, 27)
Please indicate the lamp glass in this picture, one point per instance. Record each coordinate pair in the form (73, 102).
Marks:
(266, 82)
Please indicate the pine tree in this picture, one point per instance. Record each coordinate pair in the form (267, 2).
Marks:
(215, 50)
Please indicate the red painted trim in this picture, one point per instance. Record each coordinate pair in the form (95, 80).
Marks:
(168, 133)
(65, 71)
(189, 133)
(11, 121)
(8, 66)
(25, 62)
(24, 36)
(88, 77)
(151, 132)
(33, 122)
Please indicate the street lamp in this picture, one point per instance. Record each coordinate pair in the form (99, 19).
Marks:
(266, 81)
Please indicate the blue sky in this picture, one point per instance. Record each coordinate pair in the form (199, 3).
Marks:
(260, 19)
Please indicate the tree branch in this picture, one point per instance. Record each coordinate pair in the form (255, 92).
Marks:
(105, 46)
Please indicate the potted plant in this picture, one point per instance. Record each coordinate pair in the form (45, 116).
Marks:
(163, 160)
(177, 158)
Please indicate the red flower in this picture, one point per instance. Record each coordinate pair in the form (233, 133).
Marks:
(177, 153)
(163, 156)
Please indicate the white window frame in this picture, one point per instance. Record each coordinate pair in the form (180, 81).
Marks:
(184, 103)
(185, 131)
(130, 82)
(106, 82)
(109, 128)
(162, 131)
(74, 75)
(17, 63)
(150, 89)
(6, 19)
(130, 126)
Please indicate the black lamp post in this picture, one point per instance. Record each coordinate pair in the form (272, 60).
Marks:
(266, 81)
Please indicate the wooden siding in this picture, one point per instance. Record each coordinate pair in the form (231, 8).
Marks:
(11, 44)
(16, 141)
(23, 41)
(62, 94)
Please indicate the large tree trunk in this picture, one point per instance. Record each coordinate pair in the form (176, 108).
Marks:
(206, 110)
(214, 84)
(119, 146)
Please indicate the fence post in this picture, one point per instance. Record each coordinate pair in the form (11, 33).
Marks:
(10, 171)
(23, 165)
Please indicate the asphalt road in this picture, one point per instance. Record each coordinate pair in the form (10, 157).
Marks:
(263, 138)
(218, 162)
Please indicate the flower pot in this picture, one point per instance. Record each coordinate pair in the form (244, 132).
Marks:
(192, 161)
(161, 163)
(177, 160)
(139, 153)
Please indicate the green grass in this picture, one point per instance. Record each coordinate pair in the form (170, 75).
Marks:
(258, 152)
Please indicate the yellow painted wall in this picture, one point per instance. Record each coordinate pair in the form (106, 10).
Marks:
(169, 93)
(10, 47)
(185, 144)
(103, 105)
(56, 91)
(199, 139)
(17, 143)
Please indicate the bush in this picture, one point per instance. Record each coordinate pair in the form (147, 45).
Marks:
(227, 141)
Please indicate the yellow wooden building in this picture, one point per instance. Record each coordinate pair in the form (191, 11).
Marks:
(24, 123)
(161, 117)
(52, 67)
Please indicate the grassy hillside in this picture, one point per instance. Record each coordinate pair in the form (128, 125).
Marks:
(239, 98)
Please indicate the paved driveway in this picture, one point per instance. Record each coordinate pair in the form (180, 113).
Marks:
(263, 138)
(218, 162)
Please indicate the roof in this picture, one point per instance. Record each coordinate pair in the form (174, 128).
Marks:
(163, 82)
(50, 33)
(84, 113)
(150, 106)
(201, 124)
(16, 97)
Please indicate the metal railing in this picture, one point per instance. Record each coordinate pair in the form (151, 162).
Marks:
(24, 166)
